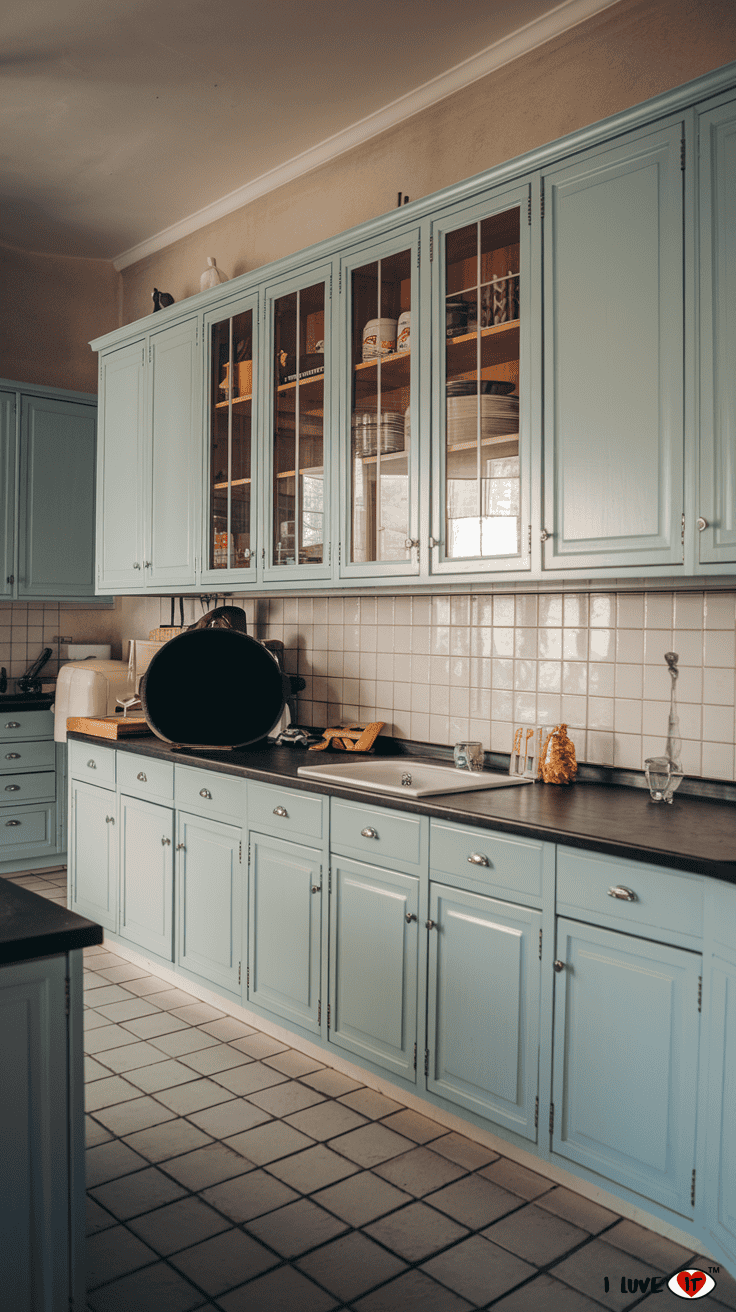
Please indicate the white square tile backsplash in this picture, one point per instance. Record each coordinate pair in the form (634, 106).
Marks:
(438, 669)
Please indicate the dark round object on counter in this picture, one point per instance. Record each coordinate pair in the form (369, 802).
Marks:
(213, 688)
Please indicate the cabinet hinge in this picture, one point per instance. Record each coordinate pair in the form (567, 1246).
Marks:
(339, 285)
(67, 996)
(540, 945)
(700, 992)
(239, 966)
(415, 1056)
(682, 534)
(319, 1012)
(247, 978)
(419, 251)
(240, 853)
(682, 153)
(196, 334)
(431, 249)
(330, 286)
(426, 1061)
(692, 1190)
(536, 1112)
(150, 352)
(529, 210)
(329, 1015)
(530, 538)
(329, 879)
(551, 1117)
(249, 852)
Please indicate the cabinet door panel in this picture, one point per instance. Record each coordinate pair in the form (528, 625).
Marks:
(146, 875)
(93, 853)
(373, 965)
(175, 422)
(284, 954)
(7, 492)
(57, 499)
(625, 1064)
(120, 488)
(717, 503)
(483, 1008)
(209, 874)
(613, 356)
(721, 1112)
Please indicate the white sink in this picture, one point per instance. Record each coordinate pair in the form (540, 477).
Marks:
(407, 777)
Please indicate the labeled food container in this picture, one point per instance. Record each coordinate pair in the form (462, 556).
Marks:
(379, 338)
(365, 426)
(403, 332)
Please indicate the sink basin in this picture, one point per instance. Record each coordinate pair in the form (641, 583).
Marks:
(421, 779)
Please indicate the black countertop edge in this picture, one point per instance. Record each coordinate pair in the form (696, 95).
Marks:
(694, 834)
(32, 926)
(25, 701)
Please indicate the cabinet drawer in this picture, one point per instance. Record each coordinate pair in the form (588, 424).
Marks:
(93, 763)
(285, 811)
(665, 901)
(28, 827)
(16, 788)
(500, 861)
(27, 756)
(209, 793)
(144, 776)
(25, 724)
(377, 834)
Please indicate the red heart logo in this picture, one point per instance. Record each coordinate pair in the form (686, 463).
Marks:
(691, 1281)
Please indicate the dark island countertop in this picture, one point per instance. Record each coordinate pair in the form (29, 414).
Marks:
(694, 834)
(32, 926)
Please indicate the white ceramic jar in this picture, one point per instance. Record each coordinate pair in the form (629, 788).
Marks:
(379, 338)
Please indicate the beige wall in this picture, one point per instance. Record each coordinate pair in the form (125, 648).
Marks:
(52, 306)
(625, 55)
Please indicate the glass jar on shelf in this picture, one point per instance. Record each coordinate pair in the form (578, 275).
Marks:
(231, 407)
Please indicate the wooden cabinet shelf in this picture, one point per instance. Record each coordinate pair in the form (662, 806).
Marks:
(498, 345)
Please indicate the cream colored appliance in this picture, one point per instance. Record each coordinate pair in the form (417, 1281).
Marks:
(90, 687)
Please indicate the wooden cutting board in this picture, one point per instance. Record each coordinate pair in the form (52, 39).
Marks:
(107, 726)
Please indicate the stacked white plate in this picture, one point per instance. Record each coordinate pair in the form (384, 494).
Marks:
(365, 428)
(499, 415)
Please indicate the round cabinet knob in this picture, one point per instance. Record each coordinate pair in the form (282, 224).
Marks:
(12, 788)
(430, 924)
(140, 775)
(435, 542)
(136, 564)
(625, 894)
(180, 847)
(282, 811)
(109, 819)
(368, 832)
(543, 536)
(205, 792)
(559, 965)
(246, 554)
(702, 524)
(409, 917)
(12, 756)
(147, 564)
(92, 764)
(316, 888)
(477, 859)
(13, 724)
(166, 842)
(411, 542)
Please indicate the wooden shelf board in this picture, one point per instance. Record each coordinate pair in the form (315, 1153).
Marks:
(503, 438)
(495, 330)
(236, 482)
(237, 400)
(303, 382)
(385, 360)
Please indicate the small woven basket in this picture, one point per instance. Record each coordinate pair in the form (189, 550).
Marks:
(163, 634)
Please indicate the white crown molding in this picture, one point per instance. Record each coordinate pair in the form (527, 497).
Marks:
(536, 33)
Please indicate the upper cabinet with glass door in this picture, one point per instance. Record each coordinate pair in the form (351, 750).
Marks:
(230, 513)
(379, 534)
(298, 516)
(482, 391)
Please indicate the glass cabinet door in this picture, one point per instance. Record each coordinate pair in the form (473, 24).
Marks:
(380, 501)
(299, 493)
(230, 541)
(481, 493)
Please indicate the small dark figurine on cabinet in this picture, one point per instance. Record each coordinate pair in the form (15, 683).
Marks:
(161, 299)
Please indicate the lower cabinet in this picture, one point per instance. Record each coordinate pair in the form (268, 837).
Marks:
(93, 853)
(483, 1006)
(209, 883)
(147, 875)
(720, 1118)
(284, 930)
(373, 965)
(625, 1074)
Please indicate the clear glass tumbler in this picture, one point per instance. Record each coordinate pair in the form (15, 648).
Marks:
(468, 756)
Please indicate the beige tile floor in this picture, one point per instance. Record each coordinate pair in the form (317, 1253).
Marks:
(227, 1171)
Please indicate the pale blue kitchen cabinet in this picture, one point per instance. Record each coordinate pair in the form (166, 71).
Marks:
(298, 386)
(147, 875)
(485, 342)
(93, 852)
(32, 792)
(613, 356)
(285, 884)
(149, 467)
(716, 506)
(719, 988)
(374, 965)
(47, 493)
(209, 879)
(626, 1034)
(483, 1017)
(380, 336)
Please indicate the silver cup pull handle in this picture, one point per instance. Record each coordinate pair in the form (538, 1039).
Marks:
(282, 811)
(205, 792)
(91, 764)
(368, 832)
(140, 775)
(625, 894)
(477, 859)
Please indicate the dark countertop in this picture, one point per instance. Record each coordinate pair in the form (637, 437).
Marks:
(25, 701)
(32, 926)
(694, 834)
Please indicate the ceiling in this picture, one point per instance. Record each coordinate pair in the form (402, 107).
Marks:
(122, 118)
